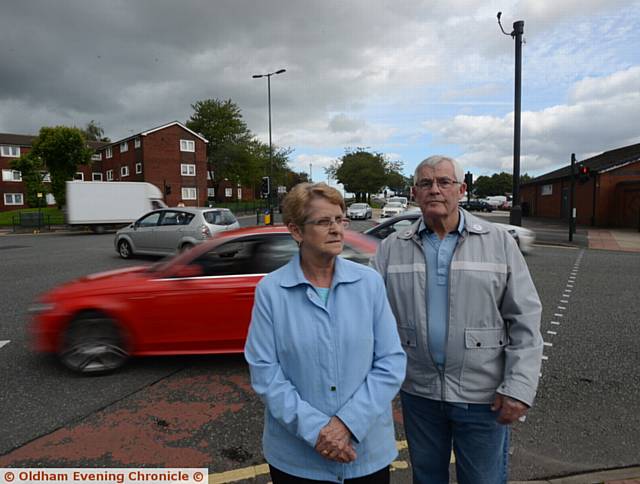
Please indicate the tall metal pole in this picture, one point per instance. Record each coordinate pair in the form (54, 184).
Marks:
(572, 220)
(515, 216)
(270, 204)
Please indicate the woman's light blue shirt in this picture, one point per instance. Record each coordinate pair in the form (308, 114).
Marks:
(310, 361)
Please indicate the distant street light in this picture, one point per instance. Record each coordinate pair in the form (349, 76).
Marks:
(515, 216)
(269, 198)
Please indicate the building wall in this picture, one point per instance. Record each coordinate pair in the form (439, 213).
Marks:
(11, 186)
(611, 207)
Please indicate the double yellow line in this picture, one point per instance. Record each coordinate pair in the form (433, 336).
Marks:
(254, 471)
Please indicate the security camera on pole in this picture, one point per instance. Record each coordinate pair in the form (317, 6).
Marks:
(515, 216)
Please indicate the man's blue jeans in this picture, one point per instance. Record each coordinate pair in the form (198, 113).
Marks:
(480, 443)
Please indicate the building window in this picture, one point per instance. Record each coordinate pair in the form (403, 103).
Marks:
(78, 176)
(546, 190)
(13, 199)
(124, 146)
(228, 192)
(95, 176)
(136, 143)
(109, 175)
(11, 152)
(209, 175)
(239, 193)
(211, 192)
(124, 171)
(187, 145)
(189, 194)
(138, 168)
(11, 175)
(108, 152)
(187, 170)
(46, 176)
(96, 156)
(51, 200)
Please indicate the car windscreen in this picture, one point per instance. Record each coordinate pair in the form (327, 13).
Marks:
(219, 217)
(358, 206)
(393, 205)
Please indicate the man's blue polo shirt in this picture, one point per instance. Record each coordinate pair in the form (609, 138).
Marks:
(438, 254)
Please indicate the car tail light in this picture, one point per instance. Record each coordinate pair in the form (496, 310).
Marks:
(204, 230)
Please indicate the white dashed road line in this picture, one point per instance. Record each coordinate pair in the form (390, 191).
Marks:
(564, 299)
(4, 342)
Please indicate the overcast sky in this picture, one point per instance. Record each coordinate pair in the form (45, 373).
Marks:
(405, 78)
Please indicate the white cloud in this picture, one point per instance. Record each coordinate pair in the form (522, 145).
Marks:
(603, 114)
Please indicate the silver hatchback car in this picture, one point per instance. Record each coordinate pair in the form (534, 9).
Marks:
(168, 230)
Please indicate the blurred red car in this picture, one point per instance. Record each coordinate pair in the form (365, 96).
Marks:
(198, 302)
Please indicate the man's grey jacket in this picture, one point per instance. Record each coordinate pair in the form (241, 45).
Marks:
(493, 336)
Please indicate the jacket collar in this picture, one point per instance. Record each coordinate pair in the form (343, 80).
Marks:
(293, 276)
(472, 225)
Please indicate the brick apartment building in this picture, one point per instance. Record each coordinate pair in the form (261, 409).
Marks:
(172, 157)
(609, 196)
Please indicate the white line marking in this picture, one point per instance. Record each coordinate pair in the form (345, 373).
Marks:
(552, 332)
(548, 344)
(564, 301)
(555, 322)
(545, 357)
(558, 314)
(567, 290)
(4, 342)
(561, 307)
(569, 285)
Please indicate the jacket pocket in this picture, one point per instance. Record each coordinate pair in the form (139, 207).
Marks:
(408, 336)
(483, 365)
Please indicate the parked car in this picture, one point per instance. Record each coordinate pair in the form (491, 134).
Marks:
(168, 230)
(524, 237)
(402, 200)
(477, 206)
(359, 211)
(197, 302)
(392, 209)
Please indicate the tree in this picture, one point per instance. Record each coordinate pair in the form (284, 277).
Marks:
(221, 123)
(361, 172)
(94, 132)
(32, 170)
(61, 150)
(496, 184)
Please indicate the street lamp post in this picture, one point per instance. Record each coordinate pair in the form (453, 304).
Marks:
(269, 196)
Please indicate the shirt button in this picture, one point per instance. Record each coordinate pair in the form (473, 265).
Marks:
(333, 389)
(478, 343)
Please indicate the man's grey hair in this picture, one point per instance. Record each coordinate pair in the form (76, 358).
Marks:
(436, 160)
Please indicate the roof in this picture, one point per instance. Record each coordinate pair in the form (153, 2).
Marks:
(16, 139)
(607, 161)
(27, 140)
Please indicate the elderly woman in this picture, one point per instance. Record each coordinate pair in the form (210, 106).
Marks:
(324, 354)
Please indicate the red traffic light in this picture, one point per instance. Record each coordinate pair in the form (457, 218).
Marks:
(584, 170)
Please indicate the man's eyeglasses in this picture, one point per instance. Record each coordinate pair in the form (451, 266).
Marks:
(325, 223)
(444, 183)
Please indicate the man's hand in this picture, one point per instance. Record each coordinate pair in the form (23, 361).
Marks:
(510, 409)
(334, 442)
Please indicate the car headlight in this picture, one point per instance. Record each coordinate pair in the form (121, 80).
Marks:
(40, 308)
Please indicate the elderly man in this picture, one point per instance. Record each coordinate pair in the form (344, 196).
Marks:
(468, 316)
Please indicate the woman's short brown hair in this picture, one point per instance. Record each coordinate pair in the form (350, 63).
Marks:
(295, 206)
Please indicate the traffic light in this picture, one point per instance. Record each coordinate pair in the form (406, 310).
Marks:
(584, 173)
(468, 180)
(265, 187)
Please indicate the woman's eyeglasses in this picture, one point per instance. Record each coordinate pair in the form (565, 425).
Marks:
(325, 223)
